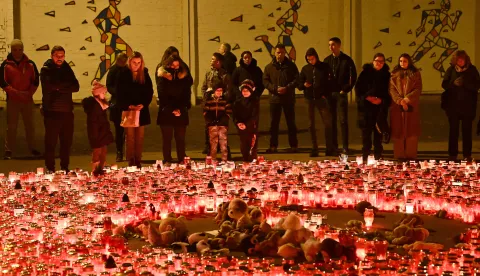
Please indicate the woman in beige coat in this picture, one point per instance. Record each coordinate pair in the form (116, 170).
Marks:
(405, 90)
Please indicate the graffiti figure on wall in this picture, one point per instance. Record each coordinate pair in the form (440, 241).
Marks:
(288, 22)
(108, 22)
(440, 20)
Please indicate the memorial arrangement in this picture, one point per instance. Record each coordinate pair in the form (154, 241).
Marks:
(268, 215)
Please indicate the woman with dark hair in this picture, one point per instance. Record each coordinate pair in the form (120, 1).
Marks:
(134, 92)
(174, 94)
(372, 104)
(461, 83)
(248, 70)
(405, 90)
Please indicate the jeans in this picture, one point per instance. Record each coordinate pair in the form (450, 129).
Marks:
(14, 110)
(168, 132)
(134, 139)
(58, 126)
(275, 115)
(454, 122)
(323, 108)
(218, 135)
(339, 109)
(99, 157)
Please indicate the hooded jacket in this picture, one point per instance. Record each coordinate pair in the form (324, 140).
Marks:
(217, 111)
(130, 92)
(215, 77)
(281, 75)
(230, 62)
(344, 72)
(18, 77)
(58, 84)
(246, 111)
(461, 99)
(174, 94)
(98, 126)
(320, 76)
(251, 72)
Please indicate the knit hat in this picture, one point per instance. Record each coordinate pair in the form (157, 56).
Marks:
(248, 82)
(246, 86)
(98, 88)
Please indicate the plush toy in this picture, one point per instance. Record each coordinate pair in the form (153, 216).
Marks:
(331, 249)
(420, 245)
(234, 239)
(202, 247)
(269, 246)
(225, 228)
(256, 216)
(407, 218)
(238, 210)
(288, 251)
(216, 243)
(196, 237)
(408, 232)
(222, 213)
(292, 225)
(180, 247)
(355, 225)
(311, 248)
(176, 225)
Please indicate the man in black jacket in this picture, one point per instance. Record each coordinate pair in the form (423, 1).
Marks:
(230, 60)
(115, 111)
(280, 78)
(58, 84)
(345, 76)
(316, 82)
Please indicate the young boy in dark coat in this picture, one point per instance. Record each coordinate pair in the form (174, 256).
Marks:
(98, 126)
(245, 116)
(217, 111)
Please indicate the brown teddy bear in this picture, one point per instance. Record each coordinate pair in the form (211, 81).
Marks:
(409, 232)
(176, 225)
(294, 233)
(238, 211)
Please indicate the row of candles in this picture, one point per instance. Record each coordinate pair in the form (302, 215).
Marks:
(61, 219)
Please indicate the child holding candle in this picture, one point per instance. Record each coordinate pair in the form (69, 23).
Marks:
(98, 126)
(245, 116)
(216, 111)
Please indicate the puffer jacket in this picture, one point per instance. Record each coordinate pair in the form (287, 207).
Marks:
(217, 111)
(18, 77)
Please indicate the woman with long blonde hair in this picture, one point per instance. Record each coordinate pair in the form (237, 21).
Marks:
(135, 91)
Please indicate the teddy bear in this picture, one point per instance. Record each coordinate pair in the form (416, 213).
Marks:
(288, 251)
(238, 211)
(225, 228)
(311, 248)
(176, 225)
(269, 246)
(355, 225)
(196, 237)
(420, 245)
(256, 215)
(409, 232)
(222, 213)
(294, 232)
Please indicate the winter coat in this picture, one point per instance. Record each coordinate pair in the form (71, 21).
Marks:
(319, 76)
(278, 75)
(174, 94)
(344, 72)
(251, 72)
(111, 83)
(19, 77)
(214, 78)
(98, 126)
(246, 111)
(217, 111)
(130, 92)
(461, 100)
(229, 62)
(58, 84)
(375, 84)
(405, 124)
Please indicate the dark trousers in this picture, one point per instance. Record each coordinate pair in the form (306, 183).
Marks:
(454, 122)
(119, 136)
(58, 126)
(339, 109)
(323, 108)
(248, 137)
(367, 142)
(168, 132)
(275, 115)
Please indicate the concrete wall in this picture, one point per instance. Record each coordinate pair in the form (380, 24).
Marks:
(196, 28)
(6, 30)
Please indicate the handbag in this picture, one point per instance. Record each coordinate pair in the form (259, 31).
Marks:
(130, 118)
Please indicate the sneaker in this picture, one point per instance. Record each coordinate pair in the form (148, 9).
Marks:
(271, 150)
(8, 155)
(119, 156)
(36, 153)
(314, 153)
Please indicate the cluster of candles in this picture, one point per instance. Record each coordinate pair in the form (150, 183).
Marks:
(58, 224)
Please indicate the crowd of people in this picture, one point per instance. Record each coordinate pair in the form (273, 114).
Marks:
(233, 93)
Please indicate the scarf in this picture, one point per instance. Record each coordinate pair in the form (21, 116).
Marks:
(461, 69)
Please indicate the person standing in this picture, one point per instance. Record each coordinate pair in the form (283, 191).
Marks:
(214, 77)
(230, 60)
(345, 76)
(316, 82)
(280, 79)
(405, 89)
(19, 79)
(373, 101)
(134, 93)
(245, 117)
(461, 83)
(173, 88)
(58, 84)
(248, 69)
(115, 111)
